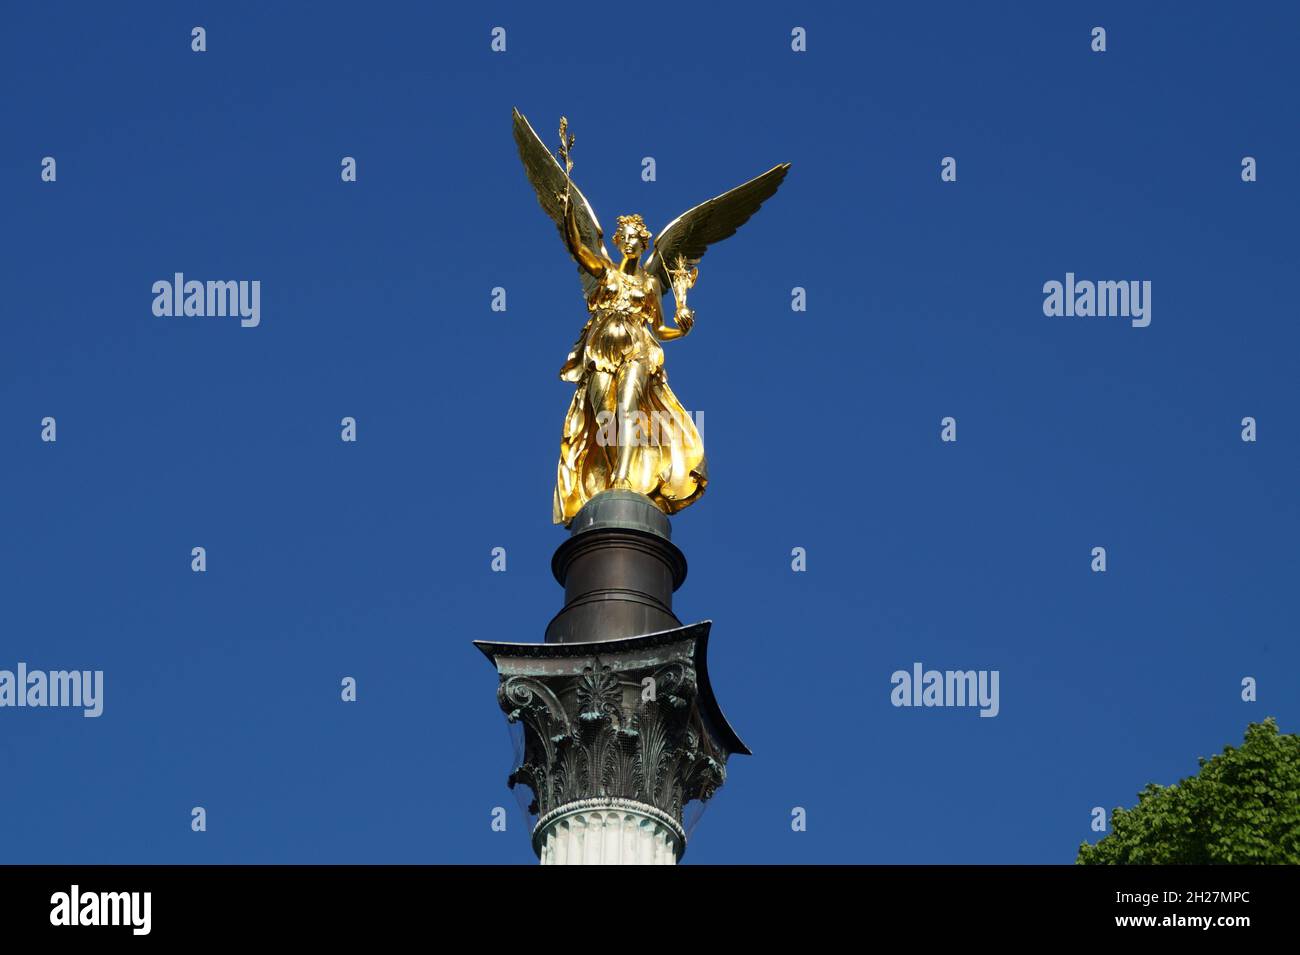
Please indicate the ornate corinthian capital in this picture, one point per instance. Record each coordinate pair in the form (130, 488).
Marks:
(618, 736)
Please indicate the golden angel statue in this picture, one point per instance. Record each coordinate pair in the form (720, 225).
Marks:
(625, 428)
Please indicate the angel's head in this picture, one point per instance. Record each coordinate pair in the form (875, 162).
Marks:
(632, 237)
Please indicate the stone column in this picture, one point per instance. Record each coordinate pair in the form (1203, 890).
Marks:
(608, 832)
(621, 727)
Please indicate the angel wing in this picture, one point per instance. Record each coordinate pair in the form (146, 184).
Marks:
(692, 232)
(547, 177)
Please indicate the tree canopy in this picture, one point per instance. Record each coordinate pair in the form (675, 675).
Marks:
(1243, 807)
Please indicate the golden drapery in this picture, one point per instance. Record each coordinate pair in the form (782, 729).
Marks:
(667, 461)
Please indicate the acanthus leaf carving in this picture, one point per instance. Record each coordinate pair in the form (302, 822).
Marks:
(582, 741)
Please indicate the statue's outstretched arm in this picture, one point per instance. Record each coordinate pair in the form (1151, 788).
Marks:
(683, 318)
(589, 260)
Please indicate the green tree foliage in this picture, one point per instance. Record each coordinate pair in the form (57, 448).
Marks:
(1243, 807)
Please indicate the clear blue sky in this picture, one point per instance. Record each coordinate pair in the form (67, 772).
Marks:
(822, 428)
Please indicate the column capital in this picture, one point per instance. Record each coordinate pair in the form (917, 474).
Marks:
(616, 724)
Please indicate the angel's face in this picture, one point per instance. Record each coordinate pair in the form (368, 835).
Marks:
(630, 241)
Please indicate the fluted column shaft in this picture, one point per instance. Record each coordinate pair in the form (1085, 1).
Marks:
(607, 835)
